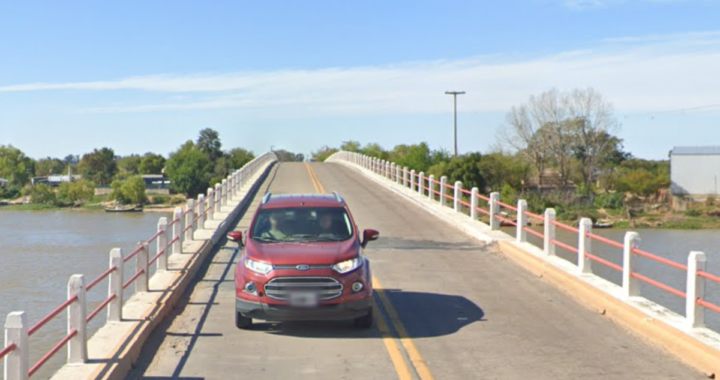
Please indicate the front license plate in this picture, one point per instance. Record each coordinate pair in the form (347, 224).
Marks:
(303, 299)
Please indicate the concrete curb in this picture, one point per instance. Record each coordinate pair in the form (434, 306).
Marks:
(654, 323)
(115, 348)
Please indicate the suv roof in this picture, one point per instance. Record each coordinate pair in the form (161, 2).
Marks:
(302, 200)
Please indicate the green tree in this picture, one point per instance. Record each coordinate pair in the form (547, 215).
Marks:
(15, 166)
(129, 165)
(75, 193)
(99, 166)
(190, 170)
(350, 146)
(209, 143)
(151, 163)
(49, 166)
(500, 170)
(238, 157)
(641, 182)
(131, 190)
(323, 153)
(466, 169)
(374, 150)
(42, 194)
(285, 156)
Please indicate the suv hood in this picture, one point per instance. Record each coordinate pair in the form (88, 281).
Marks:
(303, 253)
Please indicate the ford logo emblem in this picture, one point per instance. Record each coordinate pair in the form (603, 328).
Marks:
(302, 267)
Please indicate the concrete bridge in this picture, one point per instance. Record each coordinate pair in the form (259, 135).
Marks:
(455, 297)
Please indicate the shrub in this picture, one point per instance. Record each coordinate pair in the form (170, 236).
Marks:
(160, 199)
(611, 201)
(693, 212)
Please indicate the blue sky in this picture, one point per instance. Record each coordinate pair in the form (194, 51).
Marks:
(144, 76)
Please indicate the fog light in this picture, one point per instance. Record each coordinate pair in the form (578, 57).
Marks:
(250, 287)
(358, 286)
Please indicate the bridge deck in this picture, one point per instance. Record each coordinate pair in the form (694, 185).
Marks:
(467, 312)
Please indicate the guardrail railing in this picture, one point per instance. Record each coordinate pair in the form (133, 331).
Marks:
(500, 215)
(168, 239)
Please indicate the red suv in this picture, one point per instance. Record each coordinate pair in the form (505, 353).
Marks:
(303, 260)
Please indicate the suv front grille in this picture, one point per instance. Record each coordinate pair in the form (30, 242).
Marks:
(326, 288)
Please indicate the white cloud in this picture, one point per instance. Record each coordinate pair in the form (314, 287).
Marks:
(638, 74)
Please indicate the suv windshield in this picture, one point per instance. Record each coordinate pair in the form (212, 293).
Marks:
(302, 224)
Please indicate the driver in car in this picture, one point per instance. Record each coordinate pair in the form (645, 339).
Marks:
(276, 230)
(325, 222)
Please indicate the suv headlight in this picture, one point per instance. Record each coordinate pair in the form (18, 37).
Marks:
(258, 267)
(348, 266)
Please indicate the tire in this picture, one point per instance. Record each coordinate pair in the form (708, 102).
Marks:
(365, 322)
(242, 322)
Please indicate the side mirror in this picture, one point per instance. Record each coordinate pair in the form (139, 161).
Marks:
(368, 236)
(235, 236)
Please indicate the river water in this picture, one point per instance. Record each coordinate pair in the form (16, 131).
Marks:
(40, 250)
(671, 244)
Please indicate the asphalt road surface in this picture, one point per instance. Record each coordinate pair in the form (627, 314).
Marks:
(448, 308)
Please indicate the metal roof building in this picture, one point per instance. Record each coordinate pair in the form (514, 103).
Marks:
(695, 171)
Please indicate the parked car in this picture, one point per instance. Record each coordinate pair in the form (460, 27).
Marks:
(302, 259)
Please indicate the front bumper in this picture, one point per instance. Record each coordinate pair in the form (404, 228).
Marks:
(341, 311)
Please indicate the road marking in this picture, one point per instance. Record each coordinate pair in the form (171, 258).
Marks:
(417, 360)
(390, 344)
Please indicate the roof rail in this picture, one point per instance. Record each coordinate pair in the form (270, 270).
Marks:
(338, 197)
(266, 198)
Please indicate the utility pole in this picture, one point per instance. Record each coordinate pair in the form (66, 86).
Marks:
(455, 94)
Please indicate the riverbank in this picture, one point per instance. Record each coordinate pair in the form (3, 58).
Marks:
(158, 204)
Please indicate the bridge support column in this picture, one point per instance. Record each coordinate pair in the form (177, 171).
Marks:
(177, 235)
(443, 190)
(522, 221)
(421, 183)
(494, 211)
(457, 206)
(431, 187)
(190, 220)
(162, 244)
(17, 363)
(115, 285)
(694, 313)
(548, 245)
(474, 203)
(412, 179)
(76, 315)
(631, 285)
(584, 246)
(210, 213)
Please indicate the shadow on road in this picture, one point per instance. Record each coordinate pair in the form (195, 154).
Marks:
(424, 315)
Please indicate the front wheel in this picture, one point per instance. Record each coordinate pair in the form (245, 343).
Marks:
(366, 321)
(242, 322)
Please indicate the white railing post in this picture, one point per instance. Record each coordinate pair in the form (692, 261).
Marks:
(421, 183)
(17, 363)
(405, 176)
(412, 179)
(141, 264)
(694, 313)
(398, 170)
(548, 245)
(218, 197)
(224, 188)
(202, 215)
(190, 220)
(431, 187)
(584, 246)
(76, 318)
(474, 203)
(443, 190)
(241, 180)
(210, 215)
(631, 285)
(457, 196)
(115, 285)
(177, 235)
(494, 211)
(162, 244)
(522, 221)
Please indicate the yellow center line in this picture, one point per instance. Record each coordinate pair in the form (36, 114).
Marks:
(390, 344)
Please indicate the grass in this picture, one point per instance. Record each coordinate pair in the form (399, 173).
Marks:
(30, 207)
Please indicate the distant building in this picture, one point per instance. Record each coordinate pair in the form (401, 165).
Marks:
(3, 182)
(551, 181)
(695, 171)
(55, 180)
(156, 182)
